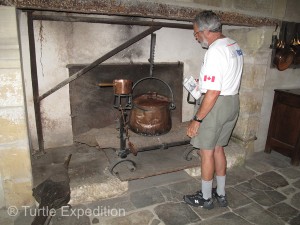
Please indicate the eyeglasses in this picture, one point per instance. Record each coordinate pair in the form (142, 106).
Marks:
(195, 33)
(218, 29)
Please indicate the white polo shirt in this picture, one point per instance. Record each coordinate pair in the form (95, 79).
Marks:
(222, 67)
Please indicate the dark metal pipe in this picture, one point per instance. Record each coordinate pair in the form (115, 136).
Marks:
(68, 18)
(163, 146)
(35, 83)
(100, 60)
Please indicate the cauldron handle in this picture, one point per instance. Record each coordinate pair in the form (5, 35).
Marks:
(172, 105)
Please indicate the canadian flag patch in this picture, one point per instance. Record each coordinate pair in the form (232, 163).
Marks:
(209, 78)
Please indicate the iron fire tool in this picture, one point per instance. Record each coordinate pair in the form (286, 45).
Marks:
(119, 99)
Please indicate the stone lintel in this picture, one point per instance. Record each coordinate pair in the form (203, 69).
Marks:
(152, 10)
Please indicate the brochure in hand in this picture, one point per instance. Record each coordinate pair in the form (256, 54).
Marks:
(192, 86)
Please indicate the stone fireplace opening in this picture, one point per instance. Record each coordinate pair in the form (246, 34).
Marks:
(92, 106)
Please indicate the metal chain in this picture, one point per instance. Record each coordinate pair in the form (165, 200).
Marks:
(152, 53)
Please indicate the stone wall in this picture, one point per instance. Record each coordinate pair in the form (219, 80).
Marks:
(255, 44)
(279, 9)
(15, 168)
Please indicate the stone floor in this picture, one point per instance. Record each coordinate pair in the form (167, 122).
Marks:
(266, 191)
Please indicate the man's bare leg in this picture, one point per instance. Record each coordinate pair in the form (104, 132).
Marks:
(207, 172)
(220, 169)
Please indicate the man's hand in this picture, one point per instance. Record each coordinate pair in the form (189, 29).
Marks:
(192, 129)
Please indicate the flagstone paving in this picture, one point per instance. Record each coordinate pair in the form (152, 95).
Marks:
(266, 190)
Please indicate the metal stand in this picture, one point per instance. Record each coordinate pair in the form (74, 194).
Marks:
(123, 151)
(131, 166)
(120, 100)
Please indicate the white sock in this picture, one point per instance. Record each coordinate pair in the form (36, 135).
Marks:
(221, 185)
(206, 188)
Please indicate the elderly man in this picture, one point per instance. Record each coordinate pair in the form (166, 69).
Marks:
(218, 107)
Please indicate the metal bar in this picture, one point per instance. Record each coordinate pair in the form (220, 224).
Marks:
(35, 83)
(100, 60)
(152, 53)
(163, 146)
(68, 18)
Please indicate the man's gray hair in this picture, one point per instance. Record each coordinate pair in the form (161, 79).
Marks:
(208, 20)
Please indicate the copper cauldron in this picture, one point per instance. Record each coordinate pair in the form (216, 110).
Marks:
(150, 114)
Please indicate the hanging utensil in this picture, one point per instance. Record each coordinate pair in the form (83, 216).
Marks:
(284, 56)
(121, 86)
(274, 38)
(297, 46)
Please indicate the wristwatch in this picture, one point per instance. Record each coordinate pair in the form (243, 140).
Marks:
(197, 119)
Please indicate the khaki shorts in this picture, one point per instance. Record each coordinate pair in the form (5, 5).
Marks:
(217, 126)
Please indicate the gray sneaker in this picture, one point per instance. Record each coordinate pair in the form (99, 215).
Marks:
(197, 200)
(222, 200)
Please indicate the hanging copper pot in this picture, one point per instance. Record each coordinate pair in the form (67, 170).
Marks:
(284, 58)
(285, 53)
(151, 113)
(121, 86)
